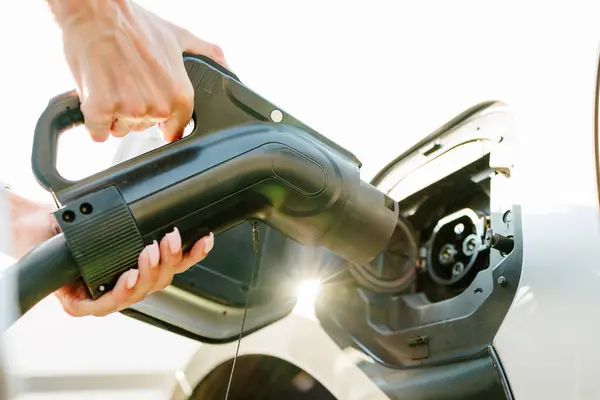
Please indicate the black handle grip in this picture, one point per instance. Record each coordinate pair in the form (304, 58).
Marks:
(61, 114)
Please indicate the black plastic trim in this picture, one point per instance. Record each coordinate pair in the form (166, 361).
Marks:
(474, 378)
(143, 317)
(501, 374)
(408, 331)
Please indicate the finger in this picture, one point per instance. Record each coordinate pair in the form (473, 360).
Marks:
(120, 128)
(148, 262)
(198, 253)
(191, 43)
(70, 295)
(145, 124)
(182, 109)
(183, 101)
(123, 126)
(170, 251)
(99, 131)
(142, 105)
(98, 120)
(138, 125)
(110, 302)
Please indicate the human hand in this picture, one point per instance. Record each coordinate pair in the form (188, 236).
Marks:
(128, 67)
(157, 264)
(32, 224)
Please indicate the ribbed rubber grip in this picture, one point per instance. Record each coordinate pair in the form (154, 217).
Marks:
(103, 238)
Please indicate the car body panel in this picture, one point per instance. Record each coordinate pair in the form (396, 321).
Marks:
(302, 342)
(548, 341)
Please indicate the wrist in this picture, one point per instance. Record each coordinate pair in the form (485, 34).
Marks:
(31, 223)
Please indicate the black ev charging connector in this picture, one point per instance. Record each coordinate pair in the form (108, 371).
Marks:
(245, 159)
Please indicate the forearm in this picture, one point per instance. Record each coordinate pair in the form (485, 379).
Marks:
(5, 231)
(29, 223)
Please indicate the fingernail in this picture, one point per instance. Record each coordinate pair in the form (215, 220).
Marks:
(153, 254)
(132, 278)
(209, 242)
(174, 241)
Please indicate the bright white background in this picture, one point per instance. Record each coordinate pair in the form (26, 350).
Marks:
(375, 75)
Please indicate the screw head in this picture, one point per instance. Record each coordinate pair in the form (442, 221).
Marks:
(86, 208)
(101, 288)
(502, 281)
(276, 116)
(68, 216)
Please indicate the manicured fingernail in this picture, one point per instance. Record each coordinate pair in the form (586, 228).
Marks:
(174, 241)
(132, 278)
(209, 242)
(153, 254)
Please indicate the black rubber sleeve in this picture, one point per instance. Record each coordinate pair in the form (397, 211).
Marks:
(43, 270)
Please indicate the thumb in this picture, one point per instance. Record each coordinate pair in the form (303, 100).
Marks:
(193, 44)
(174, 127)
(188, 42)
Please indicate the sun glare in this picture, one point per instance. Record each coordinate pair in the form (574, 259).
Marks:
(307, 295)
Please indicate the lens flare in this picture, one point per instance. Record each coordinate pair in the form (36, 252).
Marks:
(307, 293)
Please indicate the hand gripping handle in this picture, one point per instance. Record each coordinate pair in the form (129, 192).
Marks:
(61, 114)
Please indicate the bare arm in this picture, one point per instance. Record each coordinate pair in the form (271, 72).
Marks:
(30, 223)
(128, 67)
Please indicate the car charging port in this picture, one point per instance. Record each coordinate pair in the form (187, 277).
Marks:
(454, 246)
